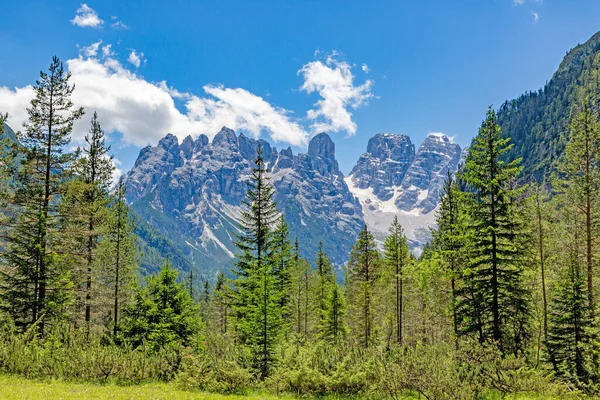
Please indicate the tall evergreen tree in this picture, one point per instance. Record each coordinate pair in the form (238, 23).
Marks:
(363, 272)
(281, 259)
(579, 171)
(162, 312)
(450, 238)
(36, 272)
(118, 254)
(257, 294)
(219, 305)
(324, 284)
(87, 200)
(494, 287)
(333, 325)
(396, 257)
(569, 321)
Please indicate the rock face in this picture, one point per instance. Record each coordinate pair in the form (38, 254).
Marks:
(390, 179)
(192, 193)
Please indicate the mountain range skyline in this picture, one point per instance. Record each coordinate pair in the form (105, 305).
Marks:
(221, 71)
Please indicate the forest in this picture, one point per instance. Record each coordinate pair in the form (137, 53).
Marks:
(502, 302)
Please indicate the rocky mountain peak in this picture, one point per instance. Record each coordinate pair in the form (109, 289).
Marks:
(321, 150)
(384, 164)
(226, 138)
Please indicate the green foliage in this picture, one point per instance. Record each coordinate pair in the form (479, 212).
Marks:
(162, 313)
(260, 272)
(493, 301)
(362, 275)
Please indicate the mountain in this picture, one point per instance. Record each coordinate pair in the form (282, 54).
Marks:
(391, 179)
(537, 122)
(191, 193)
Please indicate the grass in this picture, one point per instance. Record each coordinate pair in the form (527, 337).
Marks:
(17, 388)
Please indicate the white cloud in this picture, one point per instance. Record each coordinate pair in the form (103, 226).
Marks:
(365, 68)
(144, 111)
(92, 50)
(334, 82)
(518, 2)
(106, 50)
(86, 17)
(536, 17)
(135, 58)
(119, 25)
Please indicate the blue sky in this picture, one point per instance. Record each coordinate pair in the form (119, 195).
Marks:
(285, 70)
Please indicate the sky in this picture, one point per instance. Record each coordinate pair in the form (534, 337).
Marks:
(285, 71)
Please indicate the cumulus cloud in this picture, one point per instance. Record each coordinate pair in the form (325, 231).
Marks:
(106, 50)
(92, 50)
(144, 111)
(536, 17)
(518, 2)
(334, 82)
(86, 16)
(365, 68)
(135, 58)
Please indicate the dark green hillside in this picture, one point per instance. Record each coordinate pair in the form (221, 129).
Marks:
(537, 121)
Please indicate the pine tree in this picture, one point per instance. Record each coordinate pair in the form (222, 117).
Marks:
(257, 294)
(450, 238)
(219, 305)
(363, 272)
(396, 257)
(300, 290)
(118, 253)
(39, 283)
(324, 284)
(579, 170)
(281, 259)
(333, 325)
(494, 300)
(87, 202)
(569, 320)
(162, 312)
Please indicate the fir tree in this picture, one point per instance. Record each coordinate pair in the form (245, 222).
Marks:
(569, 320)
(450, 238)
(162, 312)
(118, 253)
(87, 200)
(219, 305)
(324, 284)
(334, 315)
(281, 259)
(38, 281)
(363, 272)
(396, 257)
(579, 170)
(494, 303)
(257, 294)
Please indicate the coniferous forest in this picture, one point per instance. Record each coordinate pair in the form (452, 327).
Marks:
(502, 302)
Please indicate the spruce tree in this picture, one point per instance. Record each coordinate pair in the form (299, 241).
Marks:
(282, 259)
(219, 306)
(257, 294)
(334, 315)
(569, 337)
(579, 173)
(162, 312)
(118, 254)
(38, 282)
(450, 238)
(396, 257)
(495, 303)
(362, 274)
(87, 199)
(324, 284)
